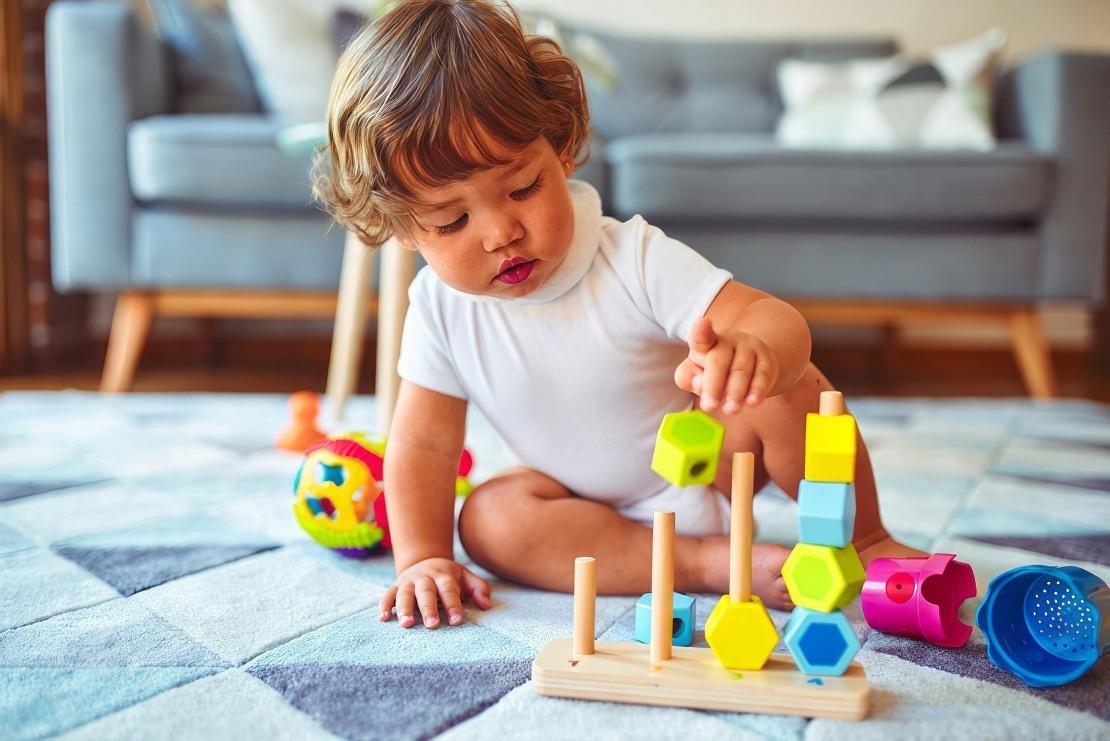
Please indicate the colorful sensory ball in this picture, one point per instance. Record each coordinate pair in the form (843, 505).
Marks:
(340, 493)
(339, 499)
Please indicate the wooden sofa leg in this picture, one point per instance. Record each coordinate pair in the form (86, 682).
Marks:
(130, 325)
(1032, 355)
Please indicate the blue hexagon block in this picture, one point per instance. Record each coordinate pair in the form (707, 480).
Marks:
(682, 632)
(826, 513)
(821, 642)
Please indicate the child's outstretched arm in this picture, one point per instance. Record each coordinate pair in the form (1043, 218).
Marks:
(748, 346)
(425, 442)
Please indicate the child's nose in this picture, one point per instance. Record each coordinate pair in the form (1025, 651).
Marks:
(501, 232)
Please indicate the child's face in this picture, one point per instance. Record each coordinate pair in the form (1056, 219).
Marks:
(503, 231)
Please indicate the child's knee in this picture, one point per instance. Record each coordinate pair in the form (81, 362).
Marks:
(479, 520)
(491, 516)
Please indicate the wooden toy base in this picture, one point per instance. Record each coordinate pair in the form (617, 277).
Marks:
(620, 672)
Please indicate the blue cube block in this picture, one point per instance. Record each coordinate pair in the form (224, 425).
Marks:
(821, 642)
(826, 513)
(682, 626)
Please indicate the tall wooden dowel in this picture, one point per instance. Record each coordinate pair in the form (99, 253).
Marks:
(662, 588)
(740, 532)
(831, 404)
(585, 597)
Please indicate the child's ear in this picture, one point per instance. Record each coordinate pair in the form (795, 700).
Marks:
(567, 163)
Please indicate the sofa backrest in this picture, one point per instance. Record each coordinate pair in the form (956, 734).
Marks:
(668, 85)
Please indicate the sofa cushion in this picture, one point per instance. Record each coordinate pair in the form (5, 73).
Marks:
(189, 248)
(988, 262)
(229, 160)
(211, 73)
(668, 85)
(748, 176)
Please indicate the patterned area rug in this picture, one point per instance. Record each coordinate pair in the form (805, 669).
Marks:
(154, 583)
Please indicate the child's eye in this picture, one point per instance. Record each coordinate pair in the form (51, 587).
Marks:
(454, 226)
(523, 193)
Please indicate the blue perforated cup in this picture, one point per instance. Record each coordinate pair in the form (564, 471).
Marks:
(1046, 625)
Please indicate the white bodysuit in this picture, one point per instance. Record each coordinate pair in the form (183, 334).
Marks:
(577, 375)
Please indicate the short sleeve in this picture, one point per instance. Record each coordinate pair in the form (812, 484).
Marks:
(425, 359)
(679, 283)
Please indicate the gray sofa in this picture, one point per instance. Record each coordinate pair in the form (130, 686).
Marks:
(146, 201)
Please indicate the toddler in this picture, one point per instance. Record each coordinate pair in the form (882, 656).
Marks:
(573, 332)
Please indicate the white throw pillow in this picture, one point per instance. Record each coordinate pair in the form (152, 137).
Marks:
(292, 53)
(894, 102)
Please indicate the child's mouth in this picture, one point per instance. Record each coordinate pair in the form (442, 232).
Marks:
(516, 271)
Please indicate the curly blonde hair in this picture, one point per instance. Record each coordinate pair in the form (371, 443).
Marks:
(418, 97)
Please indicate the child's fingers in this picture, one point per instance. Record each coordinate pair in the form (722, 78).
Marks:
(478, 589)
(763, 380)
(427, 597)
(702, 337)
(739, 379)
(385, 606)
(452, 600)
(717, 363)
(684, 375)
(406, 604)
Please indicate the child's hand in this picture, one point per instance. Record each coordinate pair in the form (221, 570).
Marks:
(734, 368)
(428, 582)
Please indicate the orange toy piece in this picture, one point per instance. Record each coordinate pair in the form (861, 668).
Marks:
(303, 433)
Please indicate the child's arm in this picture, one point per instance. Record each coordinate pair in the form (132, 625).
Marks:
(425, 442)
(748, 346)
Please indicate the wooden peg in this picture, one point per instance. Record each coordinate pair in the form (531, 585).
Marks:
(662, 588)
(740, 532)
(585, 597)
(832, 403)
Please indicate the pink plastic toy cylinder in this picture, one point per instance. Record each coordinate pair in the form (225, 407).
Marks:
(919, 598)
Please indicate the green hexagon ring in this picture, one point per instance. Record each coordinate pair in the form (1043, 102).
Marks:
(823, 578)
(741, 634)
(687, 448)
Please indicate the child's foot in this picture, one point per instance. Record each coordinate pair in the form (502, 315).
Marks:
(767, 561)
(887, 547)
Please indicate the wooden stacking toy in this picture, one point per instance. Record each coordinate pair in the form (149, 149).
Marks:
(823, 573)
(688, 676)
(739, 630)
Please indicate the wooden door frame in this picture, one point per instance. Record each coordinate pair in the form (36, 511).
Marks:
(14, 326)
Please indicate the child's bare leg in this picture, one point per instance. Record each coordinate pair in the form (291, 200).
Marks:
(775, 430)
(527, 527)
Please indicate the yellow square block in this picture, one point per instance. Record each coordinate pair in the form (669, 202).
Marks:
(831, 448)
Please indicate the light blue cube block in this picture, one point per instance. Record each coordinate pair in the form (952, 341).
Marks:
(682, 626)
(821, 642)
(826, 513)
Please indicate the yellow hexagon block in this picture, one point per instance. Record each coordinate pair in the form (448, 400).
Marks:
(687, 448)
(823, 578)
(741, 634)
(830, 448)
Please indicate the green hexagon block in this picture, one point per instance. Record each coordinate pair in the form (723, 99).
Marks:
(741, 634)
(823, 578)
(687, 448)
